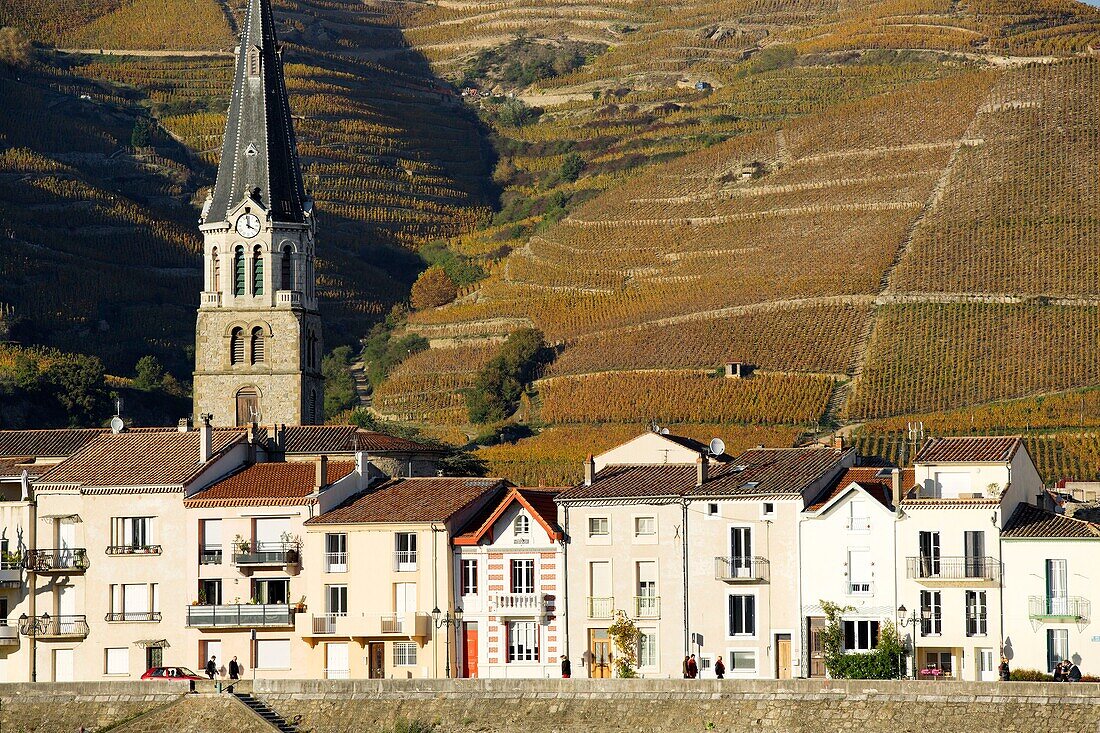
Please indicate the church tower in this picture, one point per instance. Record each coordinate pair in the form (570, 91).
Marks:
(258, 338)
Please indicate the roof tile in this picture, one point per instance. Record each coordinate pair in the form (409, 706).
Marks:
(1031, 522)
(434, 499)
(269, 484)
(46, 443)
(969, 449)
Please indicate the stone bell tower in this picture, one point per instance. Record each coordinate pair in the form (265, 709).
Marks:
(258, 339)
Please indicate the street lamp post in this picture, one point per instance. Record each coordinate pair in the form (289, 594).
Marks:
(904, 620)
(446, 621)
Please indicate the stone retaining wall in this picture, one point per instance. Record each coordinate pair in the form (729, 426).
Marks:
(64, 707)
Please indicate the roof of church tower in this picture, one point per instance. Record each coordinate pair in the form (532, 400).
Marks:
(259, 152)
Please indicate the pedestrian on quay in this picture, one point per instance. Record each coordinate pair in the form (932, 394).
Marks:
(1073, 672)
(1004, 671)
(1059, 672)
(566, 668)
(719, 669)
(212, 667)
(686, 661)
(234, 669)
(693, 668)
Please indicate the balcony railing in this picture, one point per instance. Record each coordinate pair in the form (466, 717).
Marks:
(133, 550)
(11, 573)
(337, 674)
(970, 569)
(9, 635)
(146, 616)
(518, 604)
(336, 562)
(288, 297)
(1059, 608)
(600, 607)
(210, 556)
(211, 298)
(393, 624)
(859, 589)
(54, 627)
(647, 606)
(404, 560)
(366, 625)
(742, 569)
(69, 560)
(240, 616)
(267, 553)
(327, 623)
(859, 524)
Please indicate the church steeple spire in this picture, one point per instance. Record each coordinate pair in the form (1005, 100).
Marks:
(259, 154)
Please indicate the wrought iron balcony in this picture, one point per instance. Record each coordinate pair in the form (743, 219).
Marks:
(143, 616)
(1059, 608)
(518, 604)
(244, 615)
(742, 569)
(267, 553)
(933, 570)
(116, 550)
(647, 607)
(54, 627)
(66, 561)
(601, 607)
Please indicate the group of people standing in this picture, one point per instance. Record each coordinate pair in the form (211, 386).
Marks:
(235, 668)
(691, 668)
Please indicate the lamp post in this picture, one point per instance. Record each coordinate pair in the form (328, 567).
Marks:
(447, 620)
(904, 620)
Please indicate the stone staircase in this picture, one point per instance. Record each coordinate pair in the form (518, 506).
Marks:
(260, 708)
(362, 384)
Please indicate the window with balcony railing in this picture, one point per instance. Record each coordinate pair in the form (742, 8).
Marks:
(647, 606)
(210, 555)
(600, 607)
(741, 568)
(404, 555)
(65, 559)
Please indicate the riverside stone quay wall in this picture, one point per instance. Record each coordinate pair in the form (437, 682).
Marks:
(563, 706)
(635, 706)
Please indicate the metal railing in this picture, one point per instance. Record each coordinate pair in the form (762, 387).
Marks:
(325, 623)
(64, 560)
(45, 626)
(744, 569)
(859, 524)
(647, 606)
(953, 568)
(404, 560)
(600, 607)
(241, 615)
(521, 603)
(393, 624)
(859, 589)
(337, 674)
(210, 556)
(336, 562)
(133, 616)
(8, 634)
(133, 550)
(267, 553)
(1059, 608)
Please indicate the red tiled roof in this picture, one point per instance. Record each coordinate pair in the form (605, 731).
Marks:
(996, 449)
(14, 466)
(950, 503)
(1031, 522)
(269, 484)
(540, 502)
(318, 439)
(46, 443)
(412, 500)
(876, 481)
(756, 472)
(168, 458)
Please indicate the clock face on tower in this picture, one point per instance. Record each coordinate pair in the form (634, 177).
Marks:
(248, 225)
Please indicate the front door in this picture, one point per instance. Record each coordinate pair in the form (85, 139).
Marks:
(817, 647)
(599, 651)
(337, 665)
(376, 656)
(987, 670)
(154, 657)
(783, 656)
(62, 665)
(469, 650)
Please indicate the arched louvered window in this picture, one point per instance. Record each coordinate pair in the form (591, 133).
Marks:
(286, 269)
(257, 271)
(257, 345)
(238, 271)
(313, 406)
(236, 346)
(215, 271)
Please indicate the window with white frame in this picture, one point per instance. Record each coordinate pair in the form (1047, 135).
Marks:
(132, 532)
(469, 577)
(768, 509)
(117, 660)
(712, 509)
(272, 653)
(523, 641)
(742, 615)
(859, 571)
(404, 551)
(599, 526)
(336, 600)
(336, 552)
(404, 654)
(742, 662)
(523, 575)
(860, 636)
(645, 526)
(931, 613)
(977, 613)
(521, 527)
(858, 518)
(1057, 647)
(647, 648)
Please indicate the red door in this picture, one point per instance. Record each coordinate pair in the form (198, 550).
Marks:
(469, 650)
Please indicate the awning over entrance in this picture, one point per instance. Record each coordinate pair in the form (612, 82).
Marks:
(152, 644)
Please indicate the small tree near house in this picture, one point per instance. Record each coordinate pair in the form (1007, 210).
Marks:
(883, 663)
(625, 636)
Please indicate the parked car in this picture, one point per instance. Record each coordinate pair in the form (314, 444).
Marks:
(170, 673)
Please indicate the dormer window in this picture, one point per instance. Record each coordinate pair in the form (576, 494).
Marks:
(522, 526)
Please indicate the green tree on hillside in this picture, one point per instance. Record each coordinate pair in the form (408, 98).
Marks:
(78, 386)
(499, 384)
(432, 289)
(340, 394)
(148, 373)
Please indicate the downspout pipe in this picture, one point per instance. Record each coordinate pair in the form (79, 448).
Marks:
(684, 571)
(564, 575)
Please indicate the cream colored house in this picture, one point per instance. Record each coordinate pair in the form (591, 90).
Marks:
(386, 564)
(1051, 590)
(509, 582)
(847, 539)
(950, 567)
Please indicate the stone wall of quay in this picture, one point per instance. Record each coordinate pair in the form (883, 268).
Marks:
(64, 707)
(633, 706)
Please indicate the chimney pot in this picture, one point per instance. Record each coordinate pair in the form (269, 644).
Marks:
(895, 486)
(206, 438)
(838, 442)
(184, 425)
(700, 470)
(589, 470)
(322, 472)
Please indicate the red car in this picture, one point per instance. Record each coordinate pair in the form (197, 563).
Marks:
(171, 673)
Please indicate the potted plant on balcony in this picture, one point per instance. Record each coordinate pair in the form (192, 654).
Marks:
(292, 544)
(300, 606)
(241, 545)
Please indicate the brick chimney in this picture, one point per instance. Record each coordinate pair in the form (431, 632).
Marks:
(589, 470)
(895, 486)
(184, 425)
(206, 438)
(838, 442)
(700, 470)
(322, 472)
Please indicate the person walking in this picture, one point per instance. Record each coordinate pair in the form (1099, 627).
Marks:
(686, 660)
(212, 667)
(566, 668)
(693, 668)
(234, 669)
(1004, 672)
(719, 669)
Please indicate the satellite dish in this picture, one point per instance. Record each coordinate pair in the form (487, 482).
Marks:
(117, 424)
(664, 431)
(717, 447)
